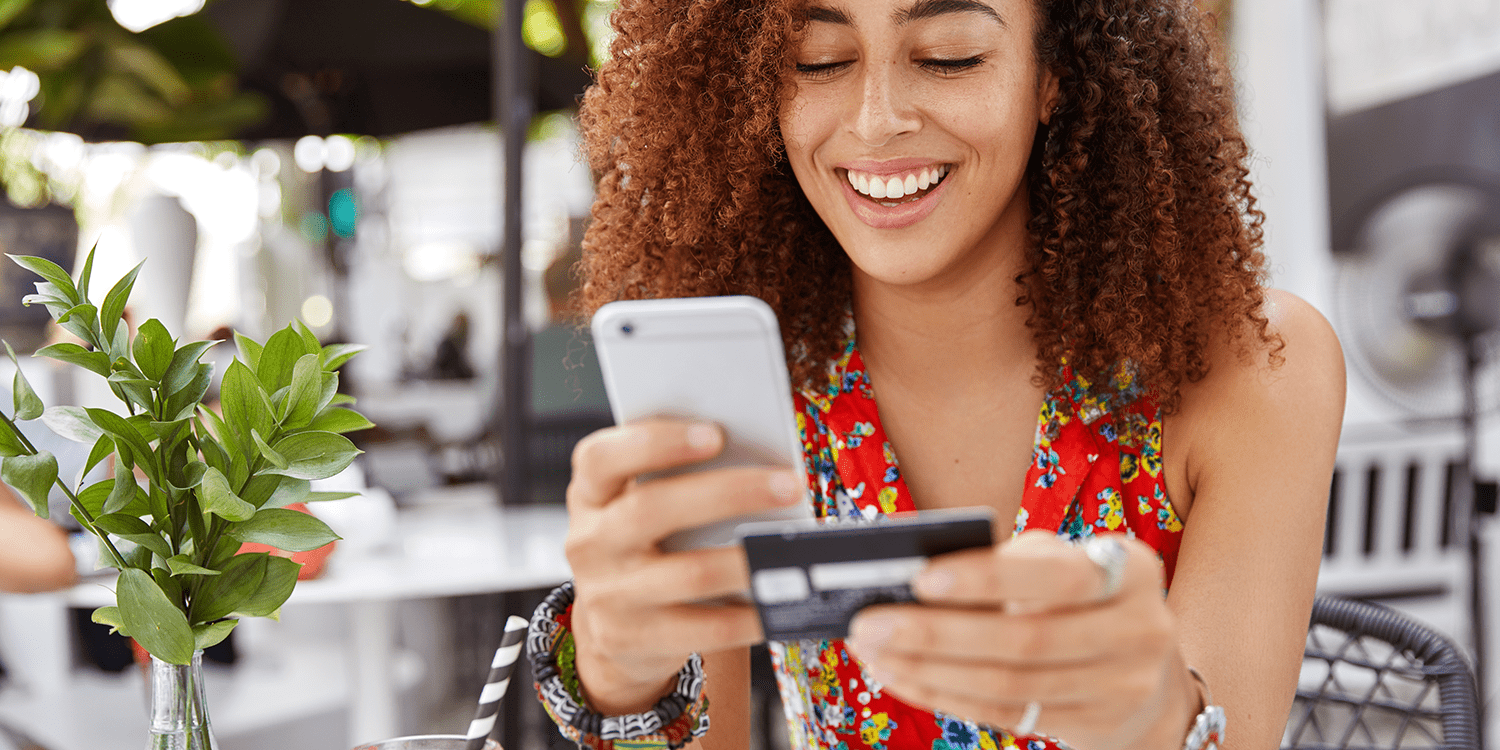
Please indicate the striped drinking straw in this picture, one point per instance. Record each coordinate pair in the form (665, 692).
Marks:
(499, 679)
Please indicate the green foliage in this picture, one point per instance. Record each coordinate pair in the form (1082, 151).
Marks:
(189, 485)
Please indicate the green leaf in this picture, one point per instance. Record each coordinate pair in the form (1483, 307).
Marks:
(41, 50)
(50, 271)
(340, 420)
(284, 529)
(123, 490)
(151, 618)
(31, 476)
(182, 565)
(138, 557)
(302, 401)
(25, 400)
(153, 349)
(110, 616)
(182, 403)
(135, 531)
(226, 549)
(318, 497)
(86, 276)
(73, 423)
(342, 399)
(224, 593)
(192, 475)
(169, 433)
(249, 350)
(219, 499)
(310, 342)
(275, 588)
(125, 434)
(282, 351)
(259, 489)
(83, 322)
(9, 9)
(213, 454)
(169, 585)
(114, 301)
(150, 67)
(245, 403)
(211, 634)
(10, 442)
(74, 354)
(335, 355)
(287, 492)
(103, 447)
(314, 455)
(276, 459)
(184, 366)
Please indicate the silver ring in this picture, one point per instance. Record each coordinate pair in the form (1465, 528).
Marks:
(1027, 724)
(1106, 552)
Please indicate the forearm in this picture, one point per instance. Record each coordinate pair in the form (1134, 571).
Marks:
(728, 689)
(34, 555)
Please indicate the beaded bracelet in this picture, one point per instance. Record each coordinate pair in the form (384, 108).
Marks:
(673, 722)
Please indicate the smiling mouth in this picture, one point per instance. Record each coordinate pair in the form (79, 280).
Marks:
(894, 190)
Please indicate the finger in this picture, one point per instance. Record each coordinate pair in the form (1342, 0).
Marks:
(652, 510)
(1055, 637)
(998, 683)
(605, 460)
(691, 576)
(1037, 569)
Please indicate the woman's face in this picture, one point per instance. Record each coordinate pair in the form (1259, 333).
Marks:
(910, 128)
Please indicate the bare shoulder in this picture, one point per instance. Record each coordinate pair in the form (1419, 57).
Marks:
(1291, 393)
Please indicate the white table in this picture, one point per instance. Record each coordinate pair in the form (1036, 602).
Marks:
(471, 547)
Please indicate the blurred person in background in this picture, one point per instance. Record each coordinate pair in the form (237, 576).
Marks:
(34, 554)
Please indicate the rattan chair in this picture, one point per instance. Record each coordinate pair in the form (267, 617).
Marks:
(1374, 678)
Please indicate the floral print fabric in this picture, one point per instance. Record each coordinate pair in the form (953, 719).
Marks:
(1096, 469)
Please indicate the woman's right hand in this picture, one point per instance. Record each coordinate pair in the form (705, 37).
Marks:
(635, 621)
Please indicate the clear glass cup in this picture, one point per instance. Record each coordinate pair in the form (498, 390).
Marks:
(426, 742)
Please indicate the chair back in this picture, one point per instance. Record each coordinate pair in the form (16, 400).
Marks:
(1374, 678)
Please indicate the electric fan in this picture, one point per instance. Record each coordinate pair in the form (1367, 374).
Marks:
(1418, 312)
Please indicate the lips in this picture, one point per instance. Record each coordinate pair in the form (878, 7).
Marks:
(894, 195)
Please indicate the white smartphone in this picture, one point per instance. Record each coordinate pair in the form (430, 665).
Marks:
(717, 359)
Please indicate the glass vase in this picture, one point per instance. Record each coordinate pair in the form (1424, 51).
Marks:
(179, 708)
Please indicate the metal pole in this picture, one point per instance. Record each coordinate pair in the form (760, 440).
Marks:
(513, 113)
(1474, 358)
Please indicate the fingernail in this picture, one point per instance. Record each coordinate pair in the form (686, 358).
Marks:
(932, 583)
(870, 631)
(703, 436)
(786, 487)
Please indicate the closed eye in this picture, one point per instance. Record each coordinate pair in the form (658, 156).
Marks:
(949, 67)
(820, 70)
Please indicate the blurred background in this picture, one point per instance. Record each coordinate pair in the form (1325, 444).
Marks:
(341, 161)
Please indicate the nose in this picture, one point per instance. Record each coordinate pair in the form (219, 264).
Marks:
(884, 109)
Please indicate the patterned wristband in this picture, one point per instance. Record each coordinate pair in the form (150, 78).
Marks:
(674, 721)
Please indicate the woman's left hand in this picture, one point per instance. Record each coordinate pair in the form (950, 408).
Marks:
(1030, 620)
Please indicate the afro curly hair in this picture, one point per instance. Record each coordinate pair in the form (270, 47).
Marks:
(1144, 235)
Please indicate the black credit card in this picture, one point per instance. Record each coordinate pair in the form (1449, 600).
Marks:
(809, 578)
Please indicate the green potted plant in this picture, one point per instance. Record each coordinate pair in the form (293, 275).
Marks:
(188, 484)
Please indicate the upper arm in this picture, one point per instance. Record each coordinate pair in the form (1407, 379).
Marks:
(1259, 448)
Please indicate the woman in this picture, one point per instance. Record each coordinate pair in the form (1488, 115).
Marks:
(1026, 226)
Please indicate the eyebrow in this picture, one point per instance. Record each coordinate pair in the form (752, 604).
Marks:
(920, 10)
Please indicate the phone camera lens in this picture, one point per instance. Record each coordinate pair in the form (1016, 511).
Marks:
(627, 329)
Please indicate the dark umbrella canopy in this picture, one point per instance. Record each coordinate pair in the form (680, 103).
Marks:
(373, 67)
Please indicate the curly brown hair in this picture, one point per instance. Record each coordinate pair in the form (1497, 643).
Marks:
(1144, 234)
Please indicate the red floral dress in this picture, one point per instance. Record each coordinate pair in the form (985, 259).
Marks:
(1096, 469)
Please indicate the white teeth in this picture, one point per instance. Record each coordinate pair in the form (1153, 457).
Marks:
(895, 188)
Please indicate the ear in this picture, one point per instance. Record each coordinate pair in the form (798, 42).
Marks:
(1049, 84)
